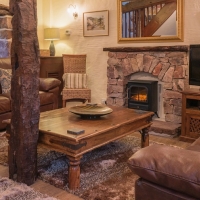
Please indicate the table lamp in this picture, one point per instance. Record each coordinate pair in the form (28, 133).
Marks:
(51, 34)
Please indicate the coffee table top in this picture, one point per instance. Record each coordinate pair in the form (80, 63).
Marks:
(58, 121)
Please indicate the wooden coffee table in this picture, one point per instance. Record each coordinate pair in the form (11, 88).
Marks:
(98, 132)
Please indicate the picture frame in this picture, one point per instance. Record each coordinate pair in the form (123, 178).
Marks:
(96, 23)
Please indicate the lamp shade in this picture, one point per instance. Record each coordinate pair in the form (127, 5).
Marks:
(51, 34)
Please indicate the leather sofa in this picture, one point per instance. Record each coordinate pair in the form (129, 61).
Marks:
(48, 92)
(167, 172)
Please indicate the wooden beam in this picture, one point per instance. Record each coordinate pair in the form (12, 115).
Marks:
(182, 48)
(159, 19)
(136, 4)
(25, 102)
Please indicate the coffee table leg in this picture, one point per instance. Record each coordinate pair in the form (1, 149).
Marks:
(145, 137)
(74, 173)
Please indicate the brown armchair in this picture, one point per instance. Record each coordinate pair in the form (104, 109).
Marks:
(167, 172)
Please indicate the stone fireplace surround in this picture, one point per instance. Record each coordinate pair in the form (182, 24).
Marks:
(167, 64)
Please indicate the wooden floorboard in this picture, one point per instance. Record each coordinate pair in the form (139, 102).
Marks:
(50, 190)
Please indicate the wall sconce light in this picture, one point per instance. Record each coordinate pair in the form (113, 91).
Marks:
(72, 9)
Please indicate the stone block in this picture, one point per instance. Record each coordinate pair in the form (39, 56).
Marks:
(121, 82)
(110, 101)
(168, 109)
(176, 61)
(121, 55)
(134, 64)
(126, 67)
(109, 89)
(167, 86)
(168, 94)
(179, 72)
(162, 127)
(112, 81)
(175, 102)
(164, 60)
(147, 62)
(117, 88)
(115, 95)
(177, 110)
(172, 118)
(120, 101)
(140, 60)
(111, 55)
(178, 84)
(157, 69)
(176, 55)
(159, 54)
(113, 62)
(112, 72)
(132, 55)
(153, 65)
(168, 76)
(165, 67)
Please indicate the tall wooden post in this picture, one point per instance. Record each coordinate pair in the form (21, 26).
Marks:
(24, 92)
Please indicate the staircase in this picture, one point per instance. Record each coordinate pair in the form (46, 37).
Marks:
(144, 18)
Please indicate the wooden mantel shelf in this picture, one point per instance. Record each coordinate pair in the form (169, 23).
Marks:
(182, 48)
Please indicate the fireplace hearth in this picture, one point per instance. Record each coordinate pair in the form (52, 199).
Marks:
(166, 64)
(143, 95)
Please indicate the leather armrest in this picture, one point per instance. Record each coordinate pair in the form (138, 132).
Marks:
(8, 95)
(170, 167)
(48, 83)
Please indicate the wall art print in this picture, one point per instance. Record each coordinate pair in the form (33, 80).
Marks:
(96, 23)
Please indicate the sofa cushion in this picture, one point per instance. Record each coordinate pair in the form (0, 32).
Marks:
(75, 80)
(46, 98)
(5, 80)
(4, 104)
(170, 167)
(49, 83)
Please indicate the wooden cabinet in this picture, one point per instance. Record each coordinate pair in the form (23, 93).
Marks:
(190, 129)
(52, 66)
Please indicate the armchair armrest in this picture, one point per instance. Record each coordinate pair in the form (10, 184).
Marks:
(171, 167)
(47, 84)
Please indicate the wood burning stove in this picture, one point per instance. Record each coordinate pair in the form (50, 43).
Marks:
(143, 95)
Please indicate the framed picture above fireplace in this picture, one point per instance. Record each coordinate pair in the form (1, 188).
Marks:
(96, 23)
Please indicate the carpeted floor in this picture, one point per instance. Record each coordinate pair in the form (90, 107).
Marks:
(104, 171)
(11, 190)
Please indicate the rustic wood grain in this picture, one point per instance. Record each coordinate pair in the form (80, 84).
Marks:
(24, 92)
(182, 48)
(190, 116)
(121, 122)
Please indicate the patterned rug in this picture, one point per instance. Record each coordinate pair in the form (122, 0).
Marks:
(104, 171)
(11, 190)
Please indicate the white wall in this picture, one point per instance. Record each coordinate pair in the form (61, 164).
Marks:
(93, 46)
(5, 2)
(57, 16)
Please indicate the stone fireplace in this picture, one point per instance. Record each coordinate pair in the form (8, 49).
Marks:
(166, 64)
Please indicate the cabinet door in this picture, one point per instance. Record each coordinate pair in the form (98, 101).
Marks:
(192, 125)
